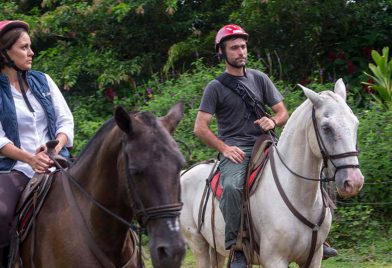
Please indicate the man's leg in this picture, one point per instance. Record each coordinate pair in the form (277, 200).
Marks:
(232, 180)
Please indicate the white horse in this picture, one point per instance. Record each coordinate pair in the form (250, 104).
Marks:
(321, 133)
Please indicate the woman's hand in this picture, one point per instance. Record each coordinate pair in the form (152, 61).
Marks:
(40, 161)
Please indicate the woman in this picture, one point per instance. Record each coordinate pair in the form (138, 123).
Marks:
(32, 112)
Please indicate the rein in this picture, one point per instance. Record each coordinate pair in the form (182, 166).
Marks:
(144, 214)
(326, 158)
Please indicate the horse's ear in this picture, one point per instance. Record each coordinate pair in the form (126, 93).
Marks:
(123, 120)
(173, 117)
(340, 89)
(311, 95)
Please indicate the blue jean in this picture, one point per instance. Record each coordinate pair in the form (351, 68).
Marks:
(232, 181)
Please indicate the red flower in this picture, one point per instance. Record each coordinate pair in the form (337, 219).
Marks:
(367, 52)
(331, 56)
(367, 88)
(351, 68)
(110, 93)
(304, 81)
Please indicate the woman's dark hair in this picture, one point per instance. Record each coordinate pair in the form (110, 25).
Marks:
(7, 40)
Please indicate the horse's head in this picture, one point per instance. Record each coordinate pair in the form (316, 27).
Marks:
(152, 163)
(334, 138)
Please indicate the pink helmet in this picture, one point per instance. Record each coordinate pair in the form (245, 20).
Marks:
(6, 25)
(228, 31)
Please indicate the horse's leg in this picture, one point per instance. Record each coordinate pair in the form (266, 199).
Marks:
(216, 257)
(199, 248)
(316, 260)
(273, 259)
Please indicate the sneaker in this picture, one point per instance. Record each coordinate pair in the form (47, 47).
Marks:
(239, 260)
(328, 251)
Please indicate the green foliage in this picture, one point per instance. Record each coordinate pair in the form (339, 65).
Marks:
(89, 112)
(332, 38)
(108, 53)
(382, 77)
(375, 144)
(353, 225)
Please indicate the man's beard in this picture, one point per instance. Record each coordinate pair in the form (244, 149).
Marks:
(234, 63)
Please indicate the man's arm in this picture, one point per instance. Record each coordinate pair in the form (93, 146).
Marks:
(281, 115)
(204, 133)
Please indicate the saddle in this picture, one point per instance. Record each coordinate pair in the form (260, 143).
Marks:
(256, 166)
(31, 202)
(29, 205)
(257, 162)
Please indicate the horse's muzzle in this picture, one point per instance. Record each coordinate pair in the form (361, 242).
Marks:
(349, 182)
(167, 247)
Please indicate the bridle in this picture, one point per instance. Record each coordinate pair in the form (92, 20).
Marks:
(151, 213)
(144, 215)
(325, 156)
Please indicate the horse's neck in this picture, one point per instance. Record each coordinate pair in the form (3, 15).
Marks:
(97, 173)
(295, 150)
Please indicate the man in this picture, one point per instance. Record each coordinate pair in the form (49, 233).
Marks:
(238, 126)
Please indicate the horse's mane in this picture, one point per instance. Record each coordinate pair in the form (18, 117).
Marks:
(98, 136)
(146, 117)
(292, 123)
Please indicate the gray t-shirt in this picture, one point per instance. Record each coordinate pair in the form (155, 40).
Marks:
(235, 122)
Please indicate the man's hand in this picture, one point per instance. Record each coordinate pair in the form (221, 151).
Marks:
(234, 153)
(265, 123)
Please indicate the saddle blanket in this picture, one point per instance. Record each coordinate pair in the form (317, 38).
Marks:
(256, 165)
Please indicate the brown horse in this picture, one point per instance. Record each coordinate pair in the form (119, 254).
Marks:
(130, 167)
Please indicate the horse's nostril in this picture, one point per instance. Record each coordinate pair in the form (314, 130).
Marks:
(348, 186)
(162, 253)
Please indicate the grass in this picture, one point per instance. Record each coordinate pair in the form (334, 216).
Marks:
(377, 255)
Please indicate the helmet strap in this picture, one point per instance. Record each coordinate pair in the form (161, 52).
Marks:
(20, 80)
(10, 63)
(19, 73)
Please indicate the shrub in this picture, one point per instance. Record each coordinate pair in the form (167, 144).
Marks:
(382, 77)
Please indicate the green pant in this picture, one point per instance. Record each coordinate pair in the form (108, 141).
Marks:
(232, 181)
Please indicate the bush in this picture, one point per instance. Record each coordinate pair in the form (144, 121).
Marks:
(352, 225)
(375, 144)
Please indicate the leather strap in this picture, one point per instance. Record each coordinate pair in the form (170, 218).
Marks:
(314, 227)
(77, 215)
(205, 197)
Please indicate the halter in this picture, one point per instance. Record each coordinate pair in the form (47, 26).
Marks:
(326, 156)
(151, 213)
(324, 153)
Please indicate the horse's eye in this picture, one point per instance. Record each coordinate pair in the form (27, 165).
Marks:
(326, 129)
(134, 171)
